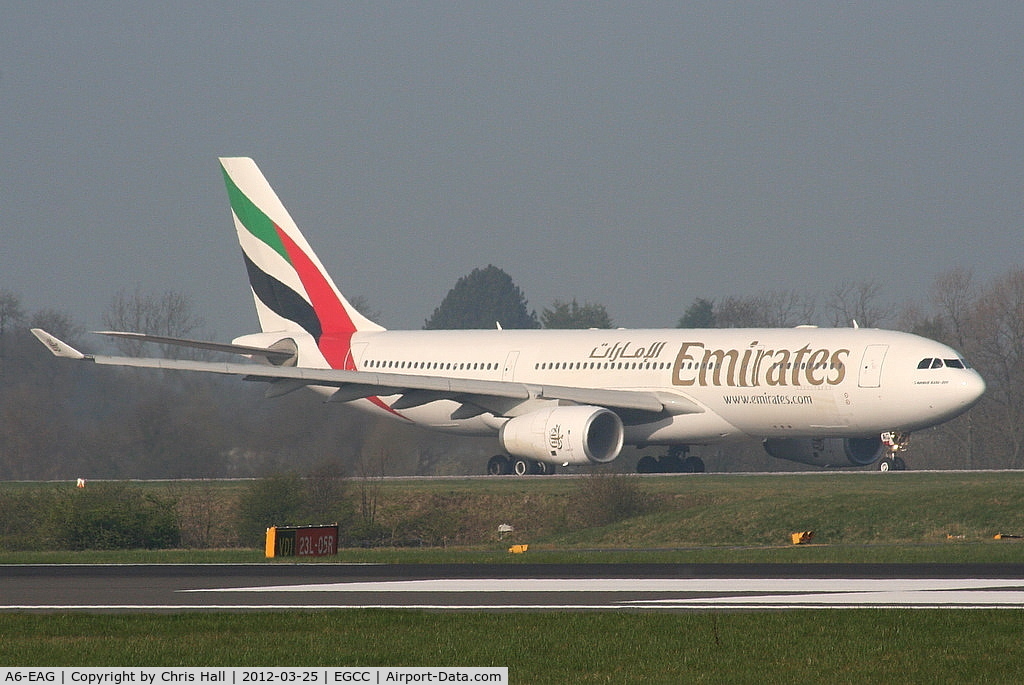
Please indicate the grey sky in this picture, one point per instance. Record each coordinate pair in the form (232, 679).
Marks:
(637, 156)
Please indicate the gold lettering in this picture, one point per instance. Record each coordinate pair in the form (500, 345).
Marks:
(696, 364)
(681, 358)
(744, 366)
(777, 372)
(761, 356)
(715, 361)
(839, 366)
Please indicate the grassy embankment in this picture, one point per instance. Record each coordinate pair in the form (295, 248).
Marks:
(946, 517)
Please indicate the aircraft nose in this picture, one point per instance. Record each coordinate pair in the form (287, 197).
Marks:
(972, 388)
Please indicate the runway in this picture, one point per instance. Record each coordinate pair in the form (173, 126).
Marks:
(512, 587)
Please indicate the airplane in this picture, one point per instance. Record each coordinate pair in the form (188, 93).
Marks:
(820, 396)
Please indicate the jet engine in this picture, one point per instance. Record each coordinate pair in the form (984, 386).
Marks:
(826, 451)
(564, 435)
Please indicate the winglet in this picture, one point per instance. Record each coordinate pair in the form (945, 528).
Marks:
(57, 346)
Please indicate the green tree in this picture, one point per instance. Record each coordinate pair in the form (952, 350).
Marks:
(277, 500)
(483, 299)
(700, 314)
(571, 315)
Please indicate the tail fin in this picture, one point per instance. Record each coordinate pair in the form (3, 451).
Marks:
(292, 290)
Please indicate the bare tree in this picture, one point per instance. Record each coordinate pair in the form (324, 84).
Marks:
(859, 302)
(772, 309)
(997, 346)
(738, 312)
(57, 322)
(787, 308)
(169, 314)
(955, 296)
(11, 313)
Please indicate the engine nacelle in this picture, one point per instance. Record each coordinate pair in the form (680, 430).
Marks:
(564, 435)
(826, 451)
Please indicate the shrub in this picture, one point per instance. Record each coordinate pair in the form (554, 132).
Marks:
(607, 498)
(287, 499)
(276, 500)
(23, 515)
(112, 516)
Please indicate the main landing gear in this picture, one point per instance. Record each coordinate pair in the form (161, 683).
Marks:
(675, 461)
(500, 465)
(895, 442)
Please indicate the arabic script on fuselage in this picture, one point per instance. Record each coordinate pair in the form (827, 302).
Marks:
(627, 350)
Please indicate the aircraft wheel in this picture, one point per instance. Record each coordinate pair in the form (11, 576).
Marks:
(693, 465)
(885, 465)
(540, 468)
(898, 464)
(647, 464)
(497, 465)
(521, 466)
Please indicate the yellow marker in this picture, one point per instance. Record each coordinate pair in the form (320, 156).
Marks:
(271, 540)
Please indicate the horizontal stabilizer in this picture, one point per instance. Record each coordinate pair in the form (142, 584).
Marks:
(271, 354)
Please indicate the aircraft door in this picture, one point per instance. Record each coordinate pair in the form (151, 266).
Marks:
(871, 366)
(508, 372)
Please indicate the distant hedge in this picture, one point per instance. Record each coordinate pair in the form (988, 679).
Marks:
(101, 516)
(204, 515)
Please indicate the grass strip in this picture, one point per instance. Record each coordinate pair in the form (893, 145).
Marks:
(860, 646)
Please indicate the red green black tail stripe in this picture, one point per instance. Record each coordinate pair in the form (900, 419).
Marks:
(322, 315)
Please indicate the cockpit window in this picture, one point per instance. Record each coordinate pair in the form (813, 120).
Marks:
(933, 363)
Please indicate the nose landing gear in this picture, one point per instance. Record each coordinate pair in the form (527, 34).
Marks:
(895, 442)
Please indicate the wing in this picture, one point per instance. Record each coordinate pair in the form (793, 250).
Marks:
(416, 390)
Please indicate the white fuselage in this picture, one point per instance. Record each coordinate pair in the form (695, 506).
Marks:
(761, 383)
